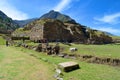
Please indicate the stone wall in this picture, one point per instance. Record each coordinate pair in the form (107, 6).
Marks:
(78, 32)
(56, 31)
(36, 33)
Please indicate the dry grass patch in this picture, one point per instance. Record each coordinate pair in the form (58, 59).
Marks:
(16, 65)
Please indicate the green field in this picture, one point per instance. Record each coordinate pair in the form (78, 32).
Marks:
(17, 64)
(108, 50)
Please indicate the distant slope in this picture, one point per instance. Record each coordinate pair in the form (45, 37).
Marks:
(7, 25)
(108, 33)
(56, 15)
(21, 23)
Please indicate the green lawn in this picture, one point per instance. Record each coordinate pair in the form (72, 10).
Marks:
(109, 50)
(17, 64)
(88, 71)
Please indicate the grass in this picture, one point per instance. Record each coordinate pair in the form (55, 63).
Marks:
(27, 42)
(17, 64)
(108, 50)
(115, 37)
(100, 50)
(2, 41)
(94, 72)
(88, 71)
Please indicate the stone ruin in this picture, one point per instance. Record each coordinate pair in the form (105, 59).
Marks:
(49, 49)
(54, 30)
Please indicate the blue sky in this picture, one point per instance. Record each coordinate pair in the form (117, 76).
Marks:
(97, 14)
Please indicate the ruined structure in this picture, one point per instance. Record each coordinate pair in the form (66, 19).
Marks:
(55, 30)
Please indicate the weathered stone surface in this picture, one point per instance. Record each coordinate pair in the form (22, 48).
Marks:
(68, 66)
(55, 30)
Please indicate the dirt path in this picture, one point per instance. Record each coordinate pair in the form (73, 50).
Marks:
(16, 65)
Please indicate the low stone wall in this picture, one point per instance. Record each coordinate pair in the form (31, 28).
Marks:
(87, 58)
(94, 59)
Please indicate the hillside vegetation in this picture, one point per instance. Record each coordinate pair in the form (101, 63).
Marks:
(56, 15)
(22, 23)
(7, 25)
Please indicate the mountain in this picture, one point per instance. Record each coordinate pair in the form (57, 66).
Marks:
(7, 25)
(56, 15)
(2, 15)
(22, 23)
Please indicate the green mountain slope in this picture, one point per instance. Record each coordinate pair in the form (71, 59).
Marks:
(22, 23)
(56, 15)
(7, 25)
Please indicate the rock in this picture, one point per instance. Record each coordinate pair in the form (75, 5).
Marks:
(39, 48)
(68, 66)
(59, 78)
(61, 55)
(56, 49)
(58, 71)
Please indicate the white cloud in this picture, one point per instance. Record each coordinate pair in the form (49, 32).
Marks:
(12, 11)
(62, 5)
(111, 19)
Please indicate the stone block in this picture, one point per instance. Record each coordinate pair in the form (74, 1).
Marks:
(68, 66)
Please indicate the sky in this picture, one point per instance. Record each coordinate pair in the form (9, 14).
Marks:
(102, 15)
